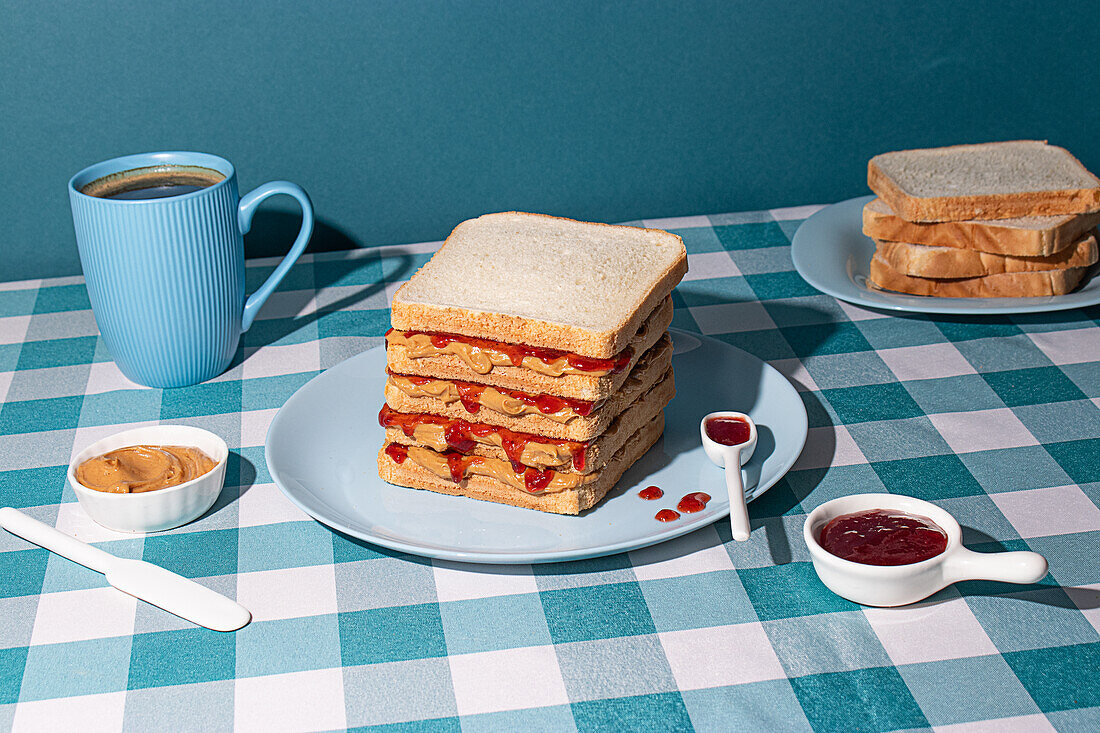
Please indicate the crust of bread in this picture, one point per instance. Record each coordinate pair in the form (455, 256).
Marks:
(1044, 237)
(982, 206)
(605, 445)
(406, 315)
(571, 501)
(919, 260)
(654, 367)
(1005, 285)
(576, 386)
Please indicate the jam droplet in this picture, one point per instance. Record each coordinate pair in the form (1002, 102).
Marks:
(651, 493)
(666, 515)
(881, 537)
(692, 503)
(397, 452)
(536, 481)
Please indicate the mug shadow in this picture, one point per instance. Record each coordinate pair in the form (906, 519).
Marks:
(270, 236)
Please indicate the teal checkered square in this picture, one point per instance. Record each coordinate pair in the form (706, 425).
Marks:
(965, 690)
(209, 398)
(721, 600)
(17, 302)
(61, 298)
(872, 402)
(194, 554)
(163, 658)
(391, 634)
(787, 591)
(489, 624)
(77, 668)
(1079, 458)
(928, 478)
(1060, 678)
(773, 285)
(23, 572)
(1035, 386)
(596, 612)
(757, 706)
(57, 352)
(12, 663)
(34, 416)
(664, 711)
(829, 701)
(288, 645)
(818, 339)
(32, 487)
(751, 236)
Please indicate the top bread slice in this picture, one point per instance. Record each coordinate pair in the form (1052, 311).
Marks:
(1032, 236)
(543, 281)
(987, 181)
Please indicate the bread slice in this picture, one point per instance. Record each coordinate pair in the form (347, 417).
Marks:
(1005, 285)
(569, 501)
(543, 281)
(577, 386)
(1033, 236)
(594, 454)
(988, 181)
(655, 366)
(920, 260)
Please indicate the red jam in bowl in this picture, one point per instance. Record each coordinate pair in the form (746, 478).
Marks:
(728, 430)
(883, 537)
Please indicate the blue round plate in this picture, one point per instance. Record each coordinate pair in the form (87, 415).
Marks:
(831, 253)
(322, 451)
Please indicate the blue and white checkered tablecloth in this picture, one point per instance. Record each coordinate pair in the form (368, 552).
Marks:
(994, 418)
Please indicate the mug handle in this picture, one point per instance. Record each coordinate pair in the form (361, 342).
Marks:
(245, 210)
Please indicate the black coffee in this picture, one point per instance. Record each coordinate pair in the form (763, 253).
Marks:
(153, 182)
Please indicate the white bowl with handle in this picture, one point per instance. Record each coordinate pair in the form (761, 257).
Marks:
(898, 585)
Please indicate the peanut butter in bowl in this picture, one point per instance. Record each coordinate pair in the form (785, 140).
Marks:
(140, 468)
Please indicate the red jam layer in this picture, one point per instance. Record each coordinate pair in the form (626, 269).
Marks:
(728, 430)
(882, 537)
(470, 394)
(460, 434)
(517, 352)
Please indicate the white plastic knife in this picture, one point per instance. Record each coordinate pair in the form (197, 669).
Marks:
(151, 583)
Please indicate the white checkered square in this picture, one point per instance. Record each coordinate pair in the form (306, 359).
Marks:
(254, 425)
(455, 581)
(102, 612)
(265, 504)
(1036, 723)
(698, 552)
(858, 313)
(89, 713)
(274, 361)
(85, 436)
(288, 304)
(5, 383)
(731, 317)
(721, 656)
(1050, 511)
(978, 430)
(830, 446)
(1087, 599)
(511, 679)
(677, 222)
(290, 702)
(13, 329)
(288, 593)
(795, 372)
(105, 376)
(707, 265)
(930, 361)
(1075, 346)
(794, 213)
(929, 632)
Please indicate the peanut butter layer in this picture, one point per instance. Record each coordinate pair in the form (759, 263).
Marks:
(494, 468)
(542, 455)
(486, 488)
(489, 398)
(416, 355)
(442, 400)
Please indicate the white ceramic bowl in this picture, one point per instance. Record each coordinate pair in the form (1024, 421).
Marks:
(153, 511)
(898, 585)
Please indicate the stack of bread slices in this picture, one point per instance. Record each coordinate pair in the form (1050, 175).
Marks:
(529, 361)
(1011, 219)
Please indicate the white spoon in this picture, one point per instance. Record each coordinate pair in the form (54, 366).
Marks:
(151, 583)
(732, 457)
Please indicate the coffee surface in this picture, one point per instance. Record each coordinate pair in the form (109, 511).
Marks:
(153, 182)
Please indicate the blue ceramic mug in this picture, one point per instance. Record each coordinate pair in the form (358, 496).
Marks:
(166, 275)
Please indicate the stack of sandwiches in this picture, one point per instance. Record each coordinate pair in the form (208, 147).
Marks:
(1011, 219)
(529, 361)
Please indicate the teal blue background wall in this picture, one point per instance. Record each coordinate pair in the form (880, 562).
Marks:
(404, 118)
